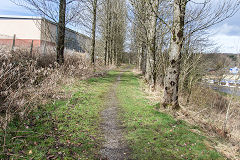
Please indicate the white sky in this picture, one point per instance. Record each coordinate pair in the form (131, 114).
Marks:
(226, 35)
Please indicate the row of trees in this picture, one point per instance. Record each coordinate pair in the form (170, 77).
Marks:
(113, 28)
(168, 38)
(104, 20)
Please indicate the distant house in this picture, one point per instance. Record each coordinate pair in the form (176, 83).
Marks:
(234, 70)
(41, 31)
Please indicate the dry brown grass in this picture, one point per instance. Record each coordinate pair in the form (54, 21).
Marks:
(27, 81)
(207, 109)
(212, 107)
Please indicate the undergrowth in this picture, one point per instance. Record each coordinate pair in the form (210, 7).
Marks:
(69, 127)
(213, 107)
(63, 129)
(27, 84)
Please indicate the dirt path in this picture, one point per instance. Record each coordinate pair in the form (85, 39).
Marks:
(114, 147)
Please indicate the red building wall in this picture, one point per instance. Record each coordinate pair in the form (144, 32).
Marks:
(20, 42)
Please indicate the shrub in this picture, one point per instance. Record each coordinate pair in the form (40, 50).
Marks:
(27, 81)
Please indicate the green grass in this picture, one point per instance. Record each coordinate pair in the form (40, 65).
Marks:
(69, 129)
(64, 129)
(154, 135)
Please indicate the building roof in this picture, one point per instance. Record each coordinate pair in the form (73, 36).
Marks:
(19, 17)
(38, 18)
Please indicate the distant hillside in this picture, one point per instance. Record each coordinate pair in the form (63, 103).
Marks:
(221, 61)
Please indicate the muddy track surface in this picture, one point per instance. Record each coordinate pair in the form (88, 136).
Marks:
(114, 147)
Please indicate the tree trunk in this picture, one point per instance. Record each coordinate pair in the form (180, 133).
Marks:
(140, 57)
(109, 31)
(151, 45)
(143, 60)
(106, 52)
(61, 32)
(94, 31)
(173, 70)
(115, 54)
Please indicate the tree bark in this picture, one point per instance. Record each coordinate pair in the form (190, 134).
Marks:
(107, 34)
(94, 31)
(143, 59)
(173, 71)
(109, 31)
(151, 45)
(106, 52)
(61, 32)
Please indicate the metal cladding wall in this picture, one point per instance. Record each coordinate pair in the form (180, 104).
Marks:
(41, 31)
(73, 40)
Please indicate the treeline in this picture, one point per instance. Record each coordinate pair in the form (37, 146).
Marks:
(104, 21)
(113, 26)
(168, 39)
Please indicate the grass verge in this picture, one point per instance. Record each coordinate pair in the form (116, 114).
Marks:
(154, 135)
(63, 129)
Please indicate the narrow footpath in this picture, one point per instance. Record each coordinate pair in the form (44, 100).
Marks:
(107, 118)
(114, 147)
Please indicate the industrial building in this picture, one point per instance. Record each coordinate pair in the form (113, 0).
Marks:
(40, 31)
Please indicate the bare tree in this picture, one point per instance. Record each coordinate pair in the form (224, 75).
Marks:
(140, 11)
(151, 42)
(62, 12)
(205, 17)
(169, 24)
(113, 30)
(173, 70)
(94, 30)
(61, 32)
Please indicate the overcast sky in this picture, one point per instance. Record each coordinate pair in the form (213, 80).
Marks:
(226, 34)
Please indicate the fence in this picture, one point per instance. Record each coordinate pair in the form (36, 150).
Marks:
(36, 48)
(12, 42)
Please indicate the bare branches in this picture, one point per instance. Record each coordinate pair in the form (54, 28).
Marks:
(209, 13)
(49, 8)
